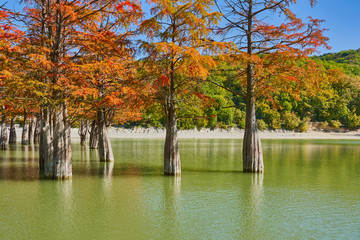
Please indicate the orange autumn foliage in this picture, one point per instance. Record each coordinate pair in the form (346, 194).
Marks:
(103, 73)
(180, 48)
(278, 53)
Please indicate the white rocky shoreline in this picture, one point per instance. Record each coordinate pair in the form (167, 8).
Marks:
(218, 133)
(233, 133)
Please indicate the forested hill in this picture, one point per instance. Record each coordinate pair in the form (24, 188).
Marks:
(348, 61)
(335, 104)
(347, 57)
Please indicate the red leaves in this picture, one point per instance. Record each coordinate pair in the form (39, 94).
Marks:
(7, 30)
(162, 81)
(113, 100)
(127, 6)
(292, 78)
(293, 34)
(200, 95)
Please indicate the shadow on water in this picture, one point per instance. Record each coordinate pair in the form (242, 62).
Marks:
(19, 162)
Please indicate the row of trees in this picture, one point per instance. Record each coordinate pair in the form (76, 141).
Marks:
(76, 61)
(332, 104)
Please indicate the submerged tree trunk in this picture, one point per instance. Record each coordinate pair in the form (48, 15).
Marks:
(24, 136)
(37, 130)
(31, 130)
(94, 140)
(45, 144)
(62, 145)
(3, 134)
(55, 144)
(172, 164)
(105, 150)
(83, 130)
(252, 153)
(12, 136)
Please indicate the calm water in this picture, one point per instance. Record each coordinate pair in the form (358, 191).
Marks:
(310, 190)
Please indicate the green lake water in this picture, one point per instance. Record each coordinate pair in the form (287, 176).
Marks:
(310, 190)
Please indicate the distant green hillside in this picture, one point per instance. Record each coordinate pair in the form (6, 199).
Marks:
(348, 61)
(336, 103)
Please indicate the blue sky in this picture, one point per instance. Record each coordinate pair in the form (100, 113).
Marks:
(342, 19)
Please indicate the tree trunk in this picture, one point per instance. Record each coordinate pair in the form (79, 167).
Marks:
(37, 130)
(24, 136)
(105, 150)
(252, 153)
(62, 145)
(45, 143)
(55, 148)
(55, 144)
(172, 164)
(83, 130)
(31, 130)
(94, 140)
(3, 134)
(12, 136)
